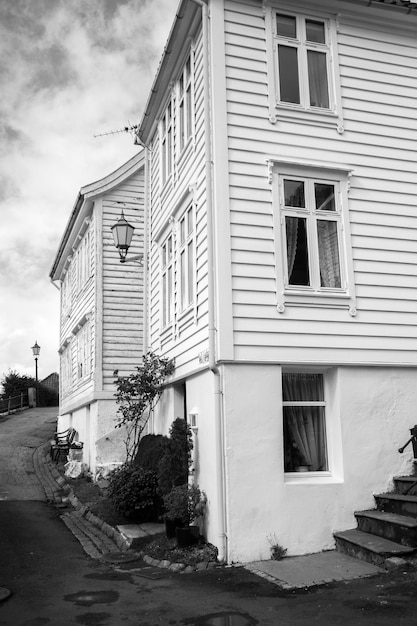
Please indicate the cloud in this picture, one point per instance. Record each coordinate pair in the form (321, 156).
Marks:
(71, 69)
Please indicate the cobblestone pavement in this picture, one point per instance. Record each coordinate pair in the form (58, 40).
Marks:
(27, 473)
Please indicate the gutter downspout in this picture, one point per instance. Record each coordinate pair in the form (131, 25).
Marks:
(213, 364)
(146, 239)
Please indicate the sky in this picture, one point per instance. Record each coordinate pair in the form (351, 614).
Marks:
(70, 69)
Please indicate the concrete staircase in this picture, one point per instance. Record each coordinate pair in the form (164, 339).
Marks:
(388, 531)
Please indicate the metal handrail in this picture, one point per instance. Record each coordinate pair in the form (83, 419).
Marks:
(413, 440)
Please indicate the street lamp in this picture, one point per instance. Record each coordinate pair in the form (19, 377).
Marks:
(36, 349)
(122, 235)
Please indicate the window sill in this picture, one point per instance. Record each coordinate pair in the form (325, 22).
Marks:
(311, 478)
(315, 117)
(331, 300)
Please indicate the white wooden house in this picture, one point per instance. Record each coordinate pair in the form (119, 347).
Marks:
(102, 311)
(282, 142)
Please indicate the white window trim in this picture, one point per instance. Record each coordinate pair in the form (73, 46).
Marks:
(333, 432)
(177, 152)
(306, 296)
(279, 111)
(180, 318)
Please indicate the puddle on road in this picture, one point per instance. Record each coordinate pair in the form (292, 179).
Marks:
(85, 598)
(225, 619)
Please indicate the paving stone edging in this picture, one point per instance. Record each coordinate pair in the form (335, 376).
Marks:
(58, 491)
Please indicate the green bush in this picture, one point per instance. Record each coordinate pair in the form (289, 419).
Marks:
(134, 492)
(151, 450)
(176, 461)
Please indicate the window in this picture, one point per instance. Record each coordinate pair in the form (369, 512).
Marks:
(312, 220)
(84, 352)
(83, 261)
(303, 61)
(186, 258)
(303, 67)
(304, 422)
(66, 287)
(176, 125)
(167, 264)
(66, 370)
(167, 143)
(185, 105)
(178, 270)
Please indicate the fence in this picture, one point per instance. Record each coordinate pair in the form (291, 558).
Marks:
(7, 405)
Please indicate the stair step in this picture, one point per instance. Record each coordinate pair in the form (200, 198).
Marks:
(370, 547)
(397, 503)
(406, 484)
(398, 528)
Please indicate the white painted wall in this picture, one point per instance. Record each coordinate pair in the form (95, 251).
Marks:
(370, 418)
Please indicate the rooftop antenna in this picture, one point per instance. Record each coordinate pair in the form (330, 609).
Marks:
(126, 129)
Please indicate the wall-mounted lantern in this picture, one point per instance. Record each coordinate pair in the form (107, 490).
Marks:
(122, 235)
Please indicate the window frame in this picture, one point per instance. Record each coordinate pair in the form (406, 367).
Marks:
(84, 353)
(177, 122)
(304, 112)
(186, 248)
(167, 260)
(315, 295)
(309, 403)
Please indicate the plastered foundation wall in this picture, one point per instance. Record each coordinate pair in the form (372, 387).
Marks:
(109, 441)
(369, 415)
(200, 397)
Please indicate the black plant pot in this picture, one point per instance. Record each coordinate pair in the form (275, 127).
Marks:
(187, 536)
(170, 526)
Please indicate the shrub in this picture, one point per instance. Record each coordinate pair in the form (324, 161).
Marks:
(185, 503)
(134, 492)
(151, 450)
(176, 461)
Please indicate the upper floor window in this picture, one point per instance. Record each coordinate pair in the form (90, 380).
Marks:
(84, 352)
(178, 270)
(167, 264)
(83, 261)
(303, 67)
(312, 217)
(177, 122)
(313, 248)
(66, 287)
(186, 258)
(303, 61)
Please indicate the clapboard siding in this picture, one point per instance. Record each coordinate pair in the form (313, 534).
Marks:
(123, 284)
(378, 78)
(188, 334)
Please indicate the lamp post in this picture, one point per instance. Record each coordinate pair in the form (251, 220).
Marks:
(36, 349)
(122, 235)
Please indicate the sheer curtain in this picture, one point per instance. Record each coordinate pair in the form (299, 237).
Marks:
(291, 230)
(317, 77)
(306, 424)
(328, 254)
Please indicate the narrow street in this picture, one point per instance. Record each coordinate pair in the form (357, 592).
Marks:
(53, 581)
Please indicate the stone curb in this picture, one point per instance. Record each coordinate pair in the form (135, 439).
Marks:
(58, 491)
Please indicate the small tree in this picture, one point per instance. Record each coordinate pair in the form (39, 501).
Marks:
(137, 395)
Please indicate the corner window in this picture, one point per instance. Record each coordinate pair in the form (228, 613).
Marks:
(304, 423)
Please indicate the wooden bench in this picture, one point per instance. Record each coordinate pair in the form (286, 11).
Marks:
(61, 443)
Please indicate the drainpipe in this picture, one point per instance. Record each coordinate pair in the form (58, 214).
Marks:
(146, 240)
(213, 364)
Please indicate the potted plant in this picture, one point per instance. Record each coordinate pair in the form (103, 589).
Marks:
(183, 505)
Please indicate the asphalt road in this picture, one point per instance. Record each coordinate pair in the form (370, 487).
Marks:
(53, 582)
